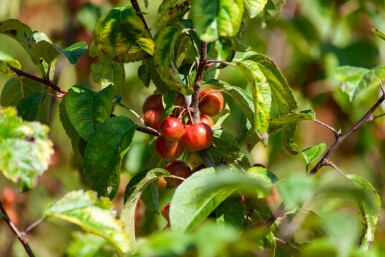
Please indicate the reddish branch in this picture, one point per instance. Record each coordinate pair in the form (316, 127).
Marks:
(43, 81)
(198, 82)
(14, 229)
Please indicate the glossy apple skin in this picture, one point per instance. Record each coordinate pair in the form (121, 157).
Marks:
(153, 118)
(177, 168)
(171, 128)
(168, 150)
(211, 102)
(197, 137)
(208, 120)
(153, 102)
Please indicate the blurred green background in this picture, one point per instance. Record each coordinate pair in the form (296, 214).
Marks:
(307, 42)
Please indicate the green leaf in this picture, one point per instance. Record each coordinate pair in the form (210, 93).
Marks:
(69, 129)
(190, 205)
(102, 164)
(117, 34)
(255, 6)
(6, 62)
(86, 245)
(15, 89)
(169, 10)
(215, 18)
(296, 190)
(133, 191)
(312, 153)
(206, 189)
(354, 80)
(369, 211)
(87, 110)
(25, 150)
(94, 215)
(262, 102)
(272, 9)
(265, 177)
(106, 72)
(243, 100)
(47, 51)
(28, 107)
(278, 123)
(26, 38)
(164, 59)
(73, 52)
(169, 99)
(282, 96)
(231, 212)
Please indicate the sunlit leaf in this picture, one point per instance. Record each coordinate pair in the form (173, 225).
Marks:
(255, 6)
(87, 245)
(280, 122)
(94, 215)
(215, 18)
(46, 51)
(190, 205)
(369, 212)
(25, 150)
(133, 191)
(355, 80)
(239, 95)
(262, 97)
(117, 34)
(102, 164)
(282, 96)
(265, 177)
(6, 62)
(87, 109)
(165, 62)
(312, 153)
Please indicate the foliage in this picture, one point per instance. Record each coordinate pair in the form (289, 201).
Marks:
(226, 206)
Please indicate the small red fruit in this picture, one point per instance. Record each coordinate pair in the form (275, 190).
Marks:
(179, 169)
(166, 212)
(153, 102)
(171, 128)
(168, 150)
(197, 137)
(211, 102)
(153, 118)
(207, 119)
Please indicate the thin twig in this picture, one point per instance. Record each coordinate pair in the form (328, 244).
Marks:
(376, 117)
(148, 130)
(342, 137)
(43, 81)
(140, 14)
(331, 164)
(33, 226)
(335, 132)
(14, 229)
(324, 160)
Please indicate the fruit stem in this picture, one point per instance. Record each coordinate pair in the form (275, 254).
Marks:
(198, 82)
